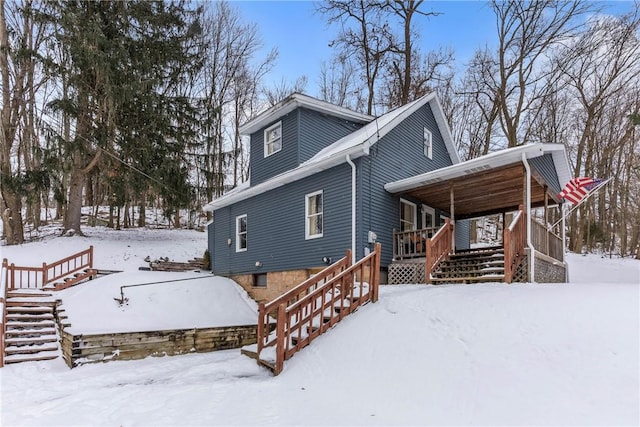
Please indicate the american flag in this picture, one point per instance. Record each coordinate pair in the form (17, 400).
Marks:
(578, 188)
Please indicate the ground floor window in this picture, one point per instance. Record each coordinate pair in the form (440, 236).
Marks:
(314, 215)
(241, 233)
(260, 280)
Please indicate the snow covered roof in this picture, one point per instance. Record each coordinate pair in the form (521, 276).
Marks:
(299, 100)
(354, 145)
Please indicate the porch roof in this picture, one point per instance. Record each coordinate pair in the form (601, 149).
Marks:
(489, 184)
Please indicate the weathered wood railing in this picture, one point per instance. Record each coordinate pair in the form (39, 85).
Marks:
(311, 308)
(514, 238)
(19, 277)
(546, 242)
(3, 303)
(438, 247)
(412, 244)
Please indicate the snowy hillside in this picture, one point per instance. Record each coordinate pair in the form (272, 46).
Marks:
(489, 354)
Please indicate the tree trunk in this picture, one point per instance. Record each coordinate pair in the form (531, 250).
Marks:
(73, 212)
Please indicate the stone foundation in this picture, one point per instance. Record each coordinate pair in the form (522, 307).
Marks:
(549, 270)
(278, 282)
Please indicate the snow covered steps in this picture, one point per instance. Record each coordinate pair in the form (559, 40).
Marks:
(30, 329)
(472, 266)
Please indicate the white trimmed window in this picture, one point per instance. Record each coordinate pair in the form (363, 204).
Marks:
(428, 144)
(241, 233)
(273, 139)
(313, 215)
(407, 215)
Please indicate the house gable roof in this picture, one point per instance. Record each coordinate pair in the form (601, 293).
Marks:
(297, 100)
(354, 145)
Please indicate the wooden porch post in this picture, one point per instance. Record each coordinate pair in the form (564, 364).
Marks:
(546, 220)
(453, 218)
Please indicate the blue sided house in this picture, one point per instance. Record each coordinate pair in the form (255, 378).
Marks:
(324, 179)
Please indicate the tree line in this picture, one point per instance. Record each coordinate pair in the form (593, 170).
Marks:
(137, 104)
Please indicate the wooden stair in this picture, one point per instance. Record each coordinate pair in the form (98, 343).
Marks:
(31, 332)
(471, 266)
(71, 280)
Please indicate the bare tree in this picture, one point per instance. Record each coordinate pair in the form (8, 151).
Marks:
(601, 68)
(527, 31)
(279, 91)
(337, 84)
(365, 37)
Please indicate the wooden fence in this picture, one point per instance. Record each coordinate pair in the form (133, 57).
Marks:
(19, 277)
(3, 306)
(412, 244)
(438, 248)
(311, 308)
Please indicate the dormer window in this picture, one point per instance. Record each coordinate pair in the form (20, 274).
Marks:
(273, 139)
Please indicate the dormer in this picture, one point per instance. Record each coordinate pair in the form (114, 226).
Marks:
(294, 130)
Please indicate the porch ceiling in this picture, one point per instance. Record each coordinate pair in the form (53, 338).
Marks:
(484, 192)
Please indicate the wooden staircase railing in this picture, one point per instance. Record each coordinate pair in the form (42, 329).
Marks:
(514, 238)
(438, 247)
(3, 302)
(311, 308)
(18, 277)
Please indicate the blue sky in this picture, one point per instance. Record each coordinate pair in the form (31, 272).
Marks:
(302, 36)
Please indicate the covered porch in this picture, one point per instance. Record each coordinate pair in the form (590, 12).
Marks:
(519, 187)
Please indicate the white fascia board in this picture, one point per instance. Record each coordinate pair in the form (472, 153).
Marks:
(302, 171)
(299, 100)
(490, 161)
(445, 131)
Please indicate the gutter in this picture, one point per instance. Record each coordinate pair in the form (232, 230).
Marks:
(353, 208)
(532, 250)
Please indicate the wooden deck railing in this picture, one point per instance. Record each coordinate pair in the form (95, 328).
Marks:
(311, 308)
(514, 238)
(19, 277)
(438, 247)
(3, 302)
(546, 242)
(412, 244)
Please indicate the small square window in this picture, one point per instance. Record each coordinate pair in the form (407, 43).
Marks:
(314, 215)
(273, 139)
(260, 280)
(428, 144)
(241, 233)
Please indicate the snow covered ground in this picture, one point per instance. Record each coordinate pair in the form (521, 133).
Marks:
(488, 354)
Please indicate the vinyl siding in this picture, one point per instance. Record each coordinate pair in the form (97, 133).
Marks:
(546, 167)
(276, 227)
(304, 133)
(398, 155)
(263, 168)
(318, 131)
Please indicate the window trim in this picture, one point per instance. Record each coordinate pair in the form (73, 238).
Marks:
(414, 207)
(427, 140)
(307, 216)
(238, 233)
(267, 143)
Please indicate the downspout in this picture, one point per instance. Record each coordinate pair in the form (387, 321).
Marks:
(532, 250)
(353, 209)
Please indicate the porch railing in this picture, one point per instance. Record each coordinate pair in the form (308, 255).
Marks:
(3, 306)
(546, 242)
(19, 277)
(438, 247)
(514, 238)
(412, 244)
(311, 308)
